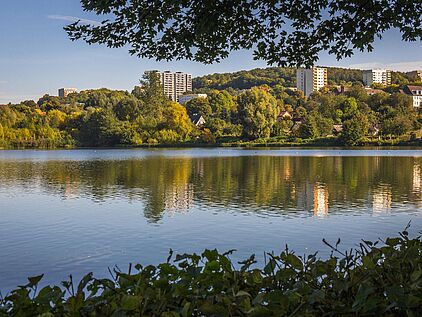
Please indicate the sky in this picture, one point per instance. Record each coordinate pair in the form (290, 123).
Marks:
(37, 58)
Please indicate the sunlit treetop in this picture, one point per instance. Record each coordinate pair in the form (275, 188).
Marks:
(284, 33)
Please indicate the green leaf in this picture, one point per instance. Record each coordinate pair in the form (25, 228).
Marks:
(294, 261)
(130, 302)
(33, 281)
(84, 282)
(185, 310)
(242, 293)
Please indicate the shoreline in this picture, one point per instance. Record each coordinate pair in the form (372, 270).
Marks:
(239, 144)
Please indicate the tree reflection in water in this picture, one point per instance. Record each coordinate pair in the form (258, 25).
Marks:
(274, 185)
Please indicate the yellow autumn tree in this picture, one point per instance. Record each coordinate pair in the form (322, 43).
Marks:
(177, 119)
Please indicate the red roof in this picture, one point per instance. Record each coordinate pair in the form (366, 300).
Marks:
(411, 90)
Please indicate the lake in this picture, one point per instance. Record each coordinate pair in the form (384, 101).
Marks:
(76, 211)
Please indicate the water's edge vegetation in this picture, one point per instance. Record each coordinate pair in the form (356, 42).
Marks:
(377, 278)
(262, 112)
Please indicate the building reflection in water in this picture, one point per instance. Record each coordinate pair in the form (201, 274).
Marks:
(381, 199)
(416, 178)
(314, 197)
(71, 189)
(179, 198)
(320, 200)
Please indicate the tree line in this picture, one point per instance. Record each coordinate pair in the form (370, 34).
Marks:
(101, 118)
(286, 76)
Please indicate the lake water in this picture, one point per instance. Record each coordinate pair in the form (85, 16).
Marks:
(76, 211)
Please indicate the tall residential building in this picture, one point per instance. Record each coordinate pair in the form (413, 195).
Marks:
(310, 80)
(377, 76)
(174, 84)
(64, 92)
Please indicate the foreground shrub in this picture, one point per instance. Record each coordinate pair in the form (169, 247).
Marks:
(376, 279)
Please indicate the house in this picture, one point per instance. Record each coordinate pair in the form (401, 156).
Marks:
(371, 91)
(197, 119)
(344, 89)
(337, 129)
(374, 130)
(416, 93)
(284, 115)
(297, 122)
(185, 98)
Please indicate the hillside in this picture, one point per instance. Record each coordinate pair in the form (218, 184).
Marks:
(286, 77)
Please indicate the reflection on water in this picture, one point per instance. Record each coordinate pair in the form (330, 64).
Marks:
(82, 212)
(257, 184)
(382, 199)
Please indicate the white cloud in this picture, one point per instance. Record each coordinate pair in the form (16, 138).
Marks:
(3, 82)
(400, 66)
(73, 19)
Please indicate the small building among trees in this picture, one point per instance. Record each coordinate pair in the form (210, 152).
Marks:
(198, 120)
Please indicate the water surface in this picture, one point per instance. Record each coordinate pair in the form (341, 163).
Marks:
(72, 212)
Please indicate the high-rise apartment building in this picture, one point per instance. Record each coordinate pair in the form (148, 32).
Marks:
(377, 76)
(174, 84)
(310, 80)
(64, 92)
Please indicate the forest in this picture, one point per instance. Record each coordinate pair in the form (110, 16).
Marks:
(235, 113)
(286, 76)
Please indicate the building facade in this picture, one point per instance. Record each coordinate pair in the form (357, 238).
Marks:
(416, 93)
(174, 84)
(185, 98)
(64, 92)
(377, 76)
(311, 80)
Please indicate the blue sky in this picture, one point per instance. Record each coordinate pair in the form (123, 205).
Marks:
(36, 57)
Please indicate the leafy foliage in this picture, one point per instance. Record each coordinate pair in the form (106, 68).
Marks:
(280, 32)
(104, 117)
(258, 112)
(374, 279)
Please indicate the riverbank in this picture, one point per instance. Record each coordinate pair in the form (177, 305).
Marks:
(327, 142)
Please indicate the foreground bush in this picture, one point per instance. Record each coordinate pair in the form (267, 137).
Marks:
(382, 279)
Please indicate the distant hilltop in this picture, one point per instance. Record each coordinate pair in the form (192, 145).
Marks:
(286, 76)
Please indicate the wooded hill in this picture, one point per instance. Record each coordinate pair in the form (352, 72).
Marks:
(286, 77)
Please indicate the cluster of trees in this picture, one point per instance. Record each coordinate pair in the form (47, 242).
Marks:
(358, 114)
(97, 118)
(254, 114)
(145, 116)
(270, 76)
(286, 76)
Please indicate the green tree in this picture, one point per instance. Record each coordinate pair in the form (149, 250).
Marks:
(200, 106)
(100, 128)
(350, 108)
(258, 112)
(152, 96)
(282, 128)
(397, 125)
(279, 32)
(128, 109)
(222, 103)
(354, 129)
(308, 129)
